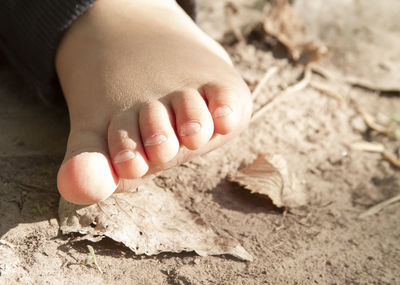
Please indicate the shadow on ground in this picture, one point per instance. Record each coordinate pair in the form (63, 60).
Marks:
(234, 197)
(32, 142)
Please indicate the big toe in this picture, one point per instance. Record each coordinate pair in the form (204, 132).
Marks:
(87, 175)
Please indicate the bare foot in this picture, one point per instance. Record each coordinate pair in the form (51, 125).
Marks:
(146, 90)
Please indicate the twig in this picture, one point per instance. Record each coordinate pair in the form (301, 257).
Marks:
(367, 146)
(301, 84)
(301, 222)
(351, 80)
(6, 243)
(391, 158)
(369, 120)
(267, 76)
(291, 89)
(379, 207)
(323, 72)
(324, 89)
(377, 147)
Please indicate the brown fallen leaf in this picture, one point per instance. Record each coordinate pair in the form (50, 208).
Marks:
(148, 221)
(283, 24)
(269, 175)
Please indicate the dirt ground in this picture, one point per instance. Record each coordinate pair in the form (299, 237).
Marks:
(324, 242)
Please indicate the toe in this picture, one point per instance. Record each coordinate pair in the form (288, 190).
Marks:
(193, 120)
(157, 132)
(223, 104)
(86, 175)
(125, 146)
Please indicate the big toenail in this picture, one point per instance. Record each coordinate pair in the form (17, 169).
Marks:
(222, 111)
(155, 140)
(189, 129)
(124, 155)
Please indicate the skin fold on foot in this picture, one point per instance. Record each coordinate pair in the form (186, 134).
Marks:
(146, 90)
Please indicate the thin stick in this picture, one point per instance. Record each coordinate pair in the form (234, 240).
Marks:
(379, 207)
(350, 80)
(4, 242)
(391, 158)
(369, 120)
(324, 89)
(379, 148)
(291, 89)
(323, 72)
(370, 147)
(267, 76)
(301, 84)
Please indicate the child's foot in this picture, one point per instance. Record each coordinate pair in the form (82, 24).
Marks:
(141, 81)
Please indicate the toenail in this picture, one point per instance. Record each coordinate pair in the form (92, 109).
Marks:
(189, 129)
(124, 155)
(155, 140)
(222, 111)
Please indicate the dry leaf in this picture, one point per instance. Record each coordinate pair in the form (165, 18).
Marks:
(282, 23)
(269, 175)
(148, 221)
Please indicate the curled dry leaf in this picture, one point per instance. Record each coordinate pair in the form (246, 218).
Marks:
(148, 221)
(283, 24)
(269, 175)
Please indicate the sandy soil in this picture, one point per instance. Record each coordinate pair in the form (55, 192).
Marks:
(323, 242)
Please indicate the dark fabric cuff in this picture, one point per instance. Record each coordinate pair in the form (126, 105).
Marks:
(30, 31)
